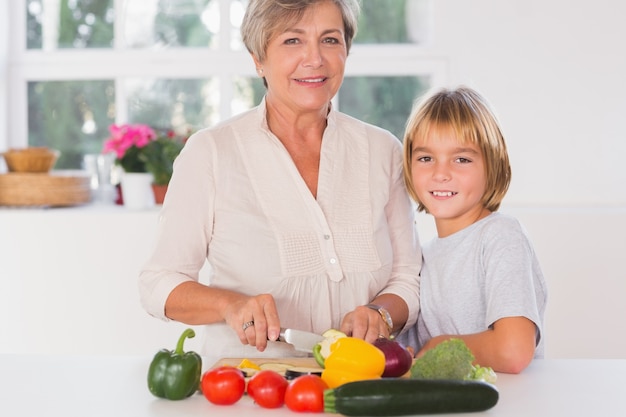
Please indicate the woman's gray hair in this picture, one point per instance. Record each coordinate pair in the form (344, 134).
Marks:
(265, 18)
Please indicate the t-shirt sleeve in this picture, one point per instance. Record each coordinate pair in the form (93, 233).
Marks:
(514, 284)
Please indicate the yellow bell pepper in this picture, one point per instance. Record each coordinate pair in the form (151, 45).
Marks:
(352, 359)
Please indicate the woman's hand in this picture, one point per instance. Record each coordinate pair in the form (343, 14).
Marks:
(254, 319)
(364, 323)
(194, 303)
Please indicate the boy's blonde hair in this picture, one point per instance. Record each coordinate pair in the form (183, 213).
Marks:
(470, 117)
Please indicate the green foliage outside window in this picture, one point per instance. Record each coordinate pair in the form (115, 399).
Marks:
(184, 30)
(70, 116)
(381, 101)
(382, 21)
(170, 104)
(87, 25)
(73, 116)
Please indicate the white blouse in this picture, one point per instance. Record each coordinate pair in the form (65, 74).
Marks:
(237, 200)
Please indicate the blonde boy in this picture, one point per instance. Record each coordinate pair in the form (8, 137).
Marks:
(480, 279)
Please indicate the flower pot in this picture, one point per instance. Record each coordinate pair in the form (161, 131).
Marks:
(159, 192)
(137, 190)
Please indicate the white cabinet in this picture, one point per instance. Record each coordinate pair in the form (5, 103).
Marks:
(68, 280)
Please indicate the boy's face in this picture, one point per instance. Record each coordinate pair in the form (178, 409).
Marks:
(449, 179)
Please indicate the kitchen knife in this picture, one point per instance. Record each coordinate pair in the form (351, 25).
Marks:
(301, 340)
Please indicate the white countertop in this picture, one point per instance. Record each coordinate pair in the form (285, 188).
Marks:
(89, 386)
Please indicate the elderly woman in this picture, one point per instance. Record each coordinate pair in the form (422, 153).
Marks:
(301, 211)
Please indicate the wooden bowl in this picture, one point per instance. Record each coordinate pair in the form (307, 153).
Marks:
(33, 159)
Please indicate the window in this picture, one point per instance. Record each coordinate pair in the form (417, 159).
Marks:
(77, 66)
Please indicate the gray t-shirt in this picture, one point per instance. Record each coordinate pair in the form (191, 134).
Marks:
(476, 276)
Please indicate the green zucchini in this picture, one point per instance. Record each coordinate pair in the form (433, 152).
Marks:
(402, 397)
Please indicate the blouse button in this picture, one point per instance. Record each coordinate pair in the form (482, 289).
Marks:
(326, 237)
(333, 261)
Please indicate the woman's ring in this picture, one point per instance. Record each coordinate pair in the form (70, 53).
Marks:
(247, 324)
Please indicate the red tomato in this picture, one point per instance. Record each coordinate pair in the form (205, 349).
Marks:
(306, 393)
(223, 385)
(267, 388)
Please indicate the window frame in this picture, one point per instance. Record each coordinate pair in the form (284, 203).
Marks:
(115, 64)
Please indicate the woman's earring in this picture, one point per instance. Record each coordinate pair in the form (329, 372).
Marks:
(260, 71)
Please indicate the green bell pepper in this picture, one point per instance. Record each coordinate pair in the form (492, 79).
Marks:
(175, 375)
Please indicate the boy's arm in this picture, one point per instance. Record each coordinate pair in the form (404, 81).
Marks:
(509, 346)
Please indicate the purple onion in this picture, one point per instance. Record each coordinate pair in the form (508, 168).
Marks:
(398, 359)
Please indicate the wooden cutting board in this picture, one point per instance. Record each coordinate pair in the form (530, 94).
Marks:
(307, 362)
(280, 365)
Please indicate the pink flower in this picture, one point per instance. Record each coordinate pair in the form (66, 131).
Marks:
(125, 136)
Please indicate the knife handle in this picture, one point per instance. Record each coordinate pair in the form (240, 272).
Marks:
(281, 335)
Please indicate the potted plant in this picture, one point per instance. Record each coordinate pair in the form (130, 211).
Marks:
(140, 149)
(128, 142)
(158, 157)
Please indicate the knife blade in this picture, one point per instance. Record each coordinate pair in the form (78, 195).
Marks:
(301, 340)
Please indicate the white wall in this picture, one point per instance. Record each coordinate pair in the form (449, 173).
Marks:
(582, 263)
(555, 72)
(4, 38)
(68, 282)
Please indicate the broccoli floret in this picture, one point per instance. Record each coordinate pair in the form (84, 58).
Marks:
(450, 359)
(483, 373)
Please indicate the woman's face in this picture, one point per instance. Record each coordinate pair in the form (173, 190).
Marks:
(304, 65)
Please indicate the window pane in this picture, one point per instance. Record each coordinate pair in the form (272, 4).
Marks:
(182, 105)
(237, 10)
(70, 116)
(248, 93)
(382, 101)
(393, 21)
(56, 24)
(171, 23)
